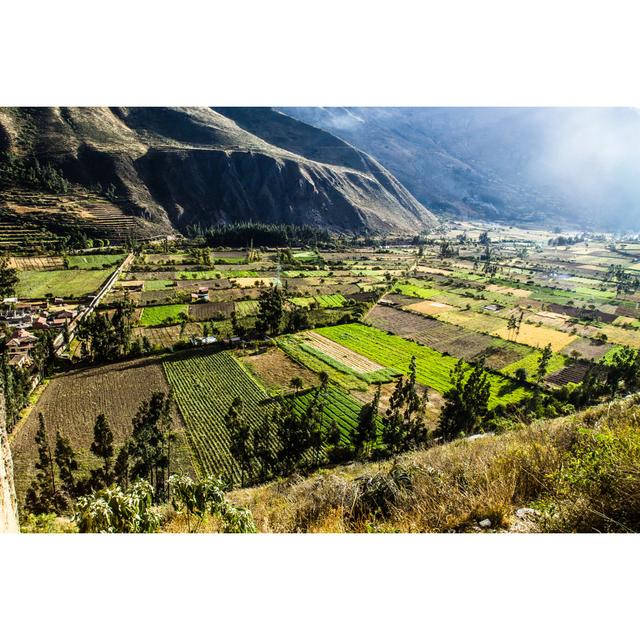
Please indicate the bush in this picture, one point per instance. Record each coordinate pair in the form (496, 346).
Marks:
(199, 499)
(114, 510)
(597, 488)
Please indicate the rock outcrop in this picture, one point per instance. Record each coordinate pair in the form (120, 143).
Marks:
(8, 503)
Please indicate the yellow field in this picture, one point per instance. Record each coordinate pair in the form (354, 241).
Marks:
(622, 320)
(618, 335)
(510, 291)
(434, 270)
(481, 322)
(537, 336)
(429, 308)
(248, 283)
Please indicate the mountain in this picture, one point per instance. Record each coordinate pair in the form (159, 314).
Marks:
(516, 165)
(174, 167)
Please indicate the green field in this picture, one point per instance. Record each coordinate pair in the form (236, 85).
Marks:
(433, 368)
(246, 308)
(204, 387)
(64, 284)
(340, 408)
(161, 314)
(158, 285)
(324, 302)
(212, 274)
(316, 362)
(95, 260)
(530, 364)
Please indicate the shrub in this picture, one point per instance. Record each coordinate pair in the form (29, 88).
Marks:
(114, 510)
(198, 499)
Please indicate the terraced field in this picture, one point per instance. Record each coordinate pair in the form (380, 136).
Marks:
(39, 263)
(530, 364)
(245, 308)
(433, 368)
(72, 401)
(165, 337)
(207, 310)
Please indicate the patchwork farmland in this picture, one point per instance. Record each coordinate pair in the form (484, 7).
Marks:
(353, 317)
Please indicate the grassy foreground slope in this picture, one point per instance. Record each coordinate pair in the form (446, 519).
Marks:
(580, 473)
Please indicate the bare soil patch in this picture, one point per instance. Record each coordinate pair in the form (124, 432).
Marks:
(71, 402)
(276, 370)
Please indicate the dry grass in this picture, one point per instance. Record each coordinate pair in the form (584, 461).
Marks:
(446, 488)
(430, 308)
(275, 370)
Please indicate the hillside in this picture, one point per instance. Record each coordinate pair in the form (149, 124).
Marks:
(578, 473)
(173, 167)
(514, 165)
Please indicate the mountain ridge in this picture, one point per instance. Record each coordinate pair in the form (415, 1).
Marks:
(527, 165)
(199, 165)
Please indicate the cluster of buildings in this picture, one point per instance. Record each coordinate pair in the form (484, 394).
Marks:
(23, 318)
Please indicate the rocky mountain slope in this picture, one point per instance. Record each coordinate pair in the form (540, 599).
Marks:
(182, 166)
(517, 165)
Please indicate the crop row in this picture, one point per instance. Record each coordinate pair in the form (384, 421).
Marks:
(204, 387)
(432, 368)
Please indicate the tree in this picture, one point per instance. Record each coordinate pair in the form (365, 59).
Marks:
(67, 467)
(294, 435)
(42, 495)
(102, 448)
(122, 466)
(543, 364)
(466, 402)
(105, 338)
(264, 448)
(363, 437)
(624, 366)
(270, 310)
(8, 278)
(404, 423)
(149, 446)
(239, 431)
(43, 354)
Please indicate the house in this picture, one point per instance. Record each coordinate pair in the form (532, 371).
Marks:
(18, 318)
(19, 360)
(65, 314)
(132, 285)
(10, 301)
(40, 323)
(19, 344)
(23, 336)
